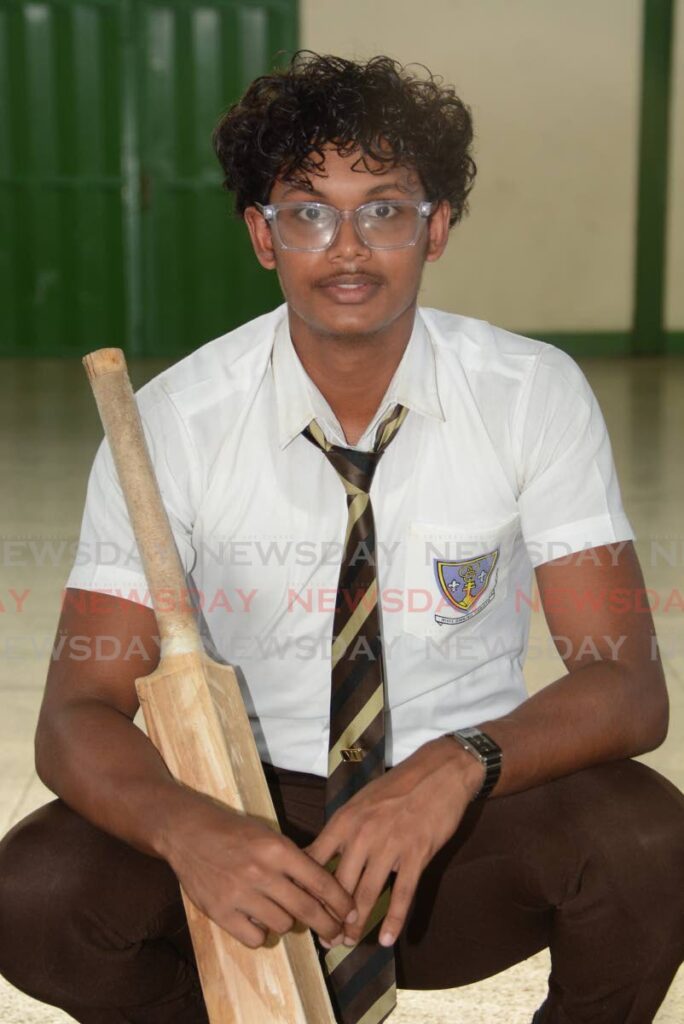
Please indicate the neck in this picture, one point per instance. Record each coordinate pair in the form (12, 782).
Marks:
(352, 371)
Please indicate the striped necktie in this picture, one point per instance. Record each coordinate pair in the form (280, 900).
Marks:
(361, 979)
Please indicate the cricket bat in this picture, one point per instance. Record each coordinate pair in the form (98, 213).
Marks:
(196, 718)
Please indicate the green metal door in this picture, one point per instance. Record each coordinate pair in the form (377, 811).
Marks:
(61, 243)
(113, 227)
(199, 272)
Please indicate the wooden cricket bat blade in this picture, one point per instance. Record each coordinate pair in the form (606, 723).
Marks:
(196, 718)
(191, 705)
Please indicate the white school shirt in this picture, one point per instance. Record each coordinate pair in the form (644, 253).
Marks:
(503, 463)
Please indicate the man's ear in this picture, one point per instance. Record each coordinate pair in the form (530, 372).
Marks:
(261, 238)
(438, 231)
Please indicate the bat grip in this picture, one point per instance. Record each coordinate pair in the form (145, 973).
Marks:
(108, 376)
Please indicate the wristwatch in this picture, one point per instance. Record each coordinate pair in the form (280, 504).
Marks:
(488, 753)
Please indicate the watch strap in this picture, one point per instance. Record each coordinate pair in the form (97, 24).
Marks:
(488, 753)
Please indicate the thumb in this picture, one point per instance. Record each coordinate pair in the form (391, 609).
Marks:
(320, 851)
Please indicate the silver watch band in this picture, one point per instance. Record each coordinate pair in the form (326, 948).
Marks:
(488, 753)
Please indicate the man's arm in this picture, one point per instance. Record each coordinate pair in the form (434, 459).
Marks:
(88, 750)
(613, 701)
(92, 755)
(612, 704)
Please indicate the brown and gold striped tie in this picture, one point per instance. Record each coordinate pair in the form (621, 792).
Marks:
(361, 979)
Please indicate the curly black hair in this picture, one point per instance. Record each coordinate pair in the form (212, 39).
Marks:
(283, 121)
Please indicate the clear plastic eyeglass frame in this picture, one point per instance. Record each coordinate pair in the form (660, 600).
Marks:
(270, 212)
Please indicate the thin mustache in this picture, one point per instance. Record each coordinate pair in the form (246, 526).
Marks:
(360, 278)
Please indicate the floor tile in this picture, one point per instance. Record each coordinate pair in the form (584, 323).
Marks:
(48, 462)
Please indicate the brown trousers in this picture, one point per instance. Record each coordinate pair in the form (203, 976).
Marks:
(591, 866)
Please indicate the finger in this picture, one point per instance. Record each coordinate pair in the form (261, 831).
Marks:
(330, 944)
(338, 938)
(245, 931)
(323, 886)
(267, 914)
(325, 846)
(351, 866)
(304, 907)
(370, 886)
(403, 891)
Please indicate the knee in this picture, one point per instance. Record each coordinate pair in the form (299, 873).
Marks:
(648, 812)
(638, 830)
(39, 894)
(26, 885)
(27, 858)
(658, 826)
(77, 906)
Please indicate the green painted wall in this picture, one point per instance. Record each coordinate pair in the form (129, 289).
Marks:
(113, 227)
(648, 336)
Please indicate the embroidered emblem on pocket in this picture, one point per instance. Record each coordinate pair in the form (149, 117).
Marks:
(463, 585)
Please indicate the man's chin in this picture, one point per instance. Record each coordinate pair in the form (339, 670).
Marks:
(348, 322)
(349, 330)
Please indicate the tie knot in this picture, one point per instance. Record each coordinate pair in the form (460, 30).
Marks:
(356, 468)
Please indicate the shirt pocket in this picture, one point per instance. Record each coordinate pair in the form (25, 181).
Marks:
(456, 579)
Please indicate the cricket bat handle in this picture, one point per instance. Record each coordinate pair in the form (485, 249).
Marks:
(108, 376)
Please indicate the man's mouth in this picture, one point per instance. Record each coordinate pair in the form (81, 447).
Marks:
(347, 287)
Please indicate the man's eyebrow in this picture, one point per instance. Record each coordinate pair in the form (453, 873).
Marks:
(299, 188)
(385, 186)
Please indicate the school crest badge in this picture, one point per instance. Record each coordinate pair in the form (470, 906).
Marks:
(466, 586)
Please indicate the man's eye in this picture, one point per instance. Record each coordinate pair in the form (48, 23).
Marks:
(383, 211)
(311, 214)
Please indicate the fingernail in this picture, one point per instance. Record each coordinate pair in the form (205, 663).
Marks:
(386, 939)
(326, 945)
(349, 941)
(351, 917)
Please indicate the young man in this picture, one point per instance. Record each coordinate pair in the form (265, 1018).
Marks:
(360, 490)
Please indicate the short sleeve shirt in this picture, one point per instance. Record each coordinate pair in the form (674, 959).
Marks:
(503, 463)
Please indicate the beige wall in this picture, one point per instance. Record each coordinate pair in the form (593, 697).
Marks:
(674, 292)
(553, 85)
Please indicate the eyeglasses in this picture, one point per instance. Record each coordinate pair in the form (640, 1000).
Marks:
(313, 227)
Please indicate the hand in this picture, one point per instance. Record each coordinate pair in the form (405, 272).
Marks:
(247, 877)
(397, 822)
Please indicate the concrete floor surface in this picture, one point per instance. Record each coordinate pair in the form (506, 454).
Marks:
(48, 435)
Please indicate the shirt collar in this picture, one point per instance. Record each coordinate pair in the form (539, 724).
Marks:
(298, 400)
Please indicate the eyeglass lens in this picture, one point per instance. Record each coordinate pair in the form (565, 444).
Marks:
(381, 225)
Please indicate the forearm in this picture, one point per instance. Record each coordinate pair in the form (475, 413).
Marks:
(600, 712)
(108, 771)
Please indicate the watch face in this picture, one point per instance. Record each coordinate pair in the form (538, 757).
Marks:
(482, 743)
(469, 732)
(487, 751)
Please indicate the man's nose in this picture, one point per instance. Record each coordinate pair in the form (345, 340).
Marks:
(348, 243)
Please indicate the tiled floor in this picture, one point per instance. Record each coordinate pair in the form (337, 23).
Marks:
(48, 435)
